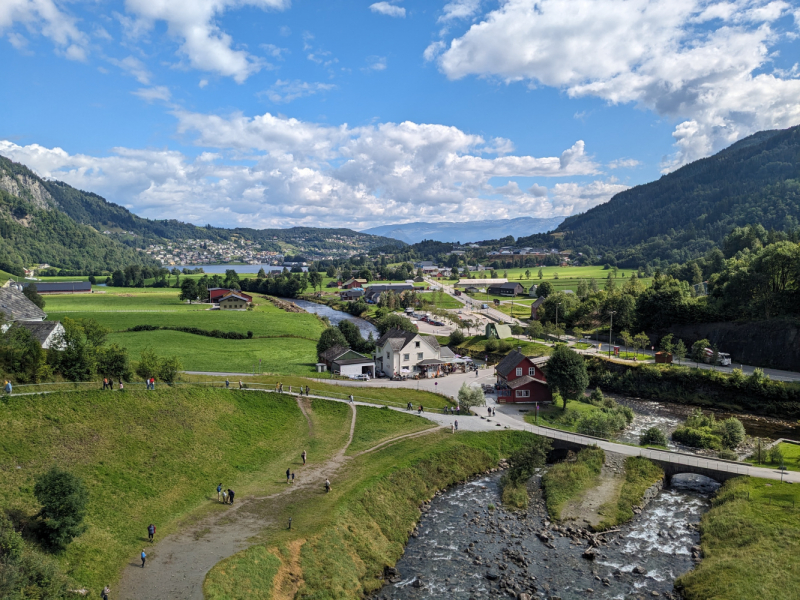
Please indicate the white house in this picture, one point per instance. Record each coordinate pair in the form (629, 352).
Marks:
(402, 352)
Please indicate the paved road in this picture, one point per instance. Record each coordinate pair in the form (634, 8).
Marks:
(475, 304)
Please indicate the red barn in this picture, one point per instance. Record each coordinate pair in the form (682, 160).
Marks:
(216, 294)
(520, 379)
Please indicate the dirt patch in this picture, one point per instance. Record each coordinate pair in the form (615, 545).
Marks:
(283, 305)
(289, 577)
(587, 510)
(305, 407)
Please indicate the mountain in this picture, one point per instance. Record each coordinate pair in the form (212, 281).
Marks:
(48, 221)
(684, 214)
(468, 231)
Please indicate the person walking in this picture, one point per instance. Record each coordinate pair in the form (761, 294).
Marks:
(227, 384)
(327, 485)
(144, 557)
(292, 476)
(240, 384)
(104, 594)
(219, 492)
(409, 407)
(351, 398)
(452, 428)
(288, 475)
(153, 383)
(304, 456)
(231, 494)
(151, 531)
(456, 424)
(105, 382)
(307, 388)
(121, 387)
(224, 496)
(8, 387)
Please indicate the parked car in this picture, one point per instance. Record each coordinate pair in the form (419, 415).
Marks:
(362, 377)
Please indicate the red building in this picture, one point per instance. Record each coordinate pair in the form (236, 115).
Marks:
(216, 294)
(520, 379)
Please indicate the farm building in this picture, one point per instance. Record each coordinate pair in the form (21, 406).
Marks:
(506, 289)
(63, 287)
(521, 379)
(233, 301)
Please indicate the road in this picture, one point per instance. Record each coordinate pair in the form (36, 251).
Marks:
(473, 304)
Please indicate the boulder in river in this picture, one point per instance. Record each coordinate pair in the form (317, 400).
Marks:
(492, 576)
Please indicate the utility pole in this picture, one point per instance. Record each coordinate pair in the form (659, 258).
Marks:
(610, 328)
(557, 333)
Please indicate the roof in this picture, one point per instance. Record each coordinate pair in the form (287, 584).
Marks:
(231, 296)
(430, 361)
(333, 352)
(463, 282)
(524, 380)
(385, 287)
(40, 330)
(511, 360)
(539, 301)
(16, 306)
(62, 286)
(432, 341)
(446, 354)
(355, 359)
(508, 285)
(503, 331)
(397, 338)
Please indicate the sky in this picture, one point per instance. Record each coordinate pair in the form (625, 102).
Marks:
(335, 113)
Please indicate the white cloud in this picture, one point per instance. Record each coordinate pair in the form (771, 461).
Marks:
(459, 9)
(207, 47)
(375, 63)
(572, 198)
(706, 63)
(300, 173)
(433, 50)
(44, 17)
(151, 94)
(134, 67)
(286, 91)
(390, 10)
(624, 163)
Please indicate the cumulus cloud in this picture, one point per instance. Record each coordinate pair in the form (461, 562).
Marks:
(459, 9)
(571, 198)
(207, 47)
(151, 94)
(286, 91)
(705, 63)
(390, 10)
(46, 18)
(624, 163)
(133, 66)
(311, 174)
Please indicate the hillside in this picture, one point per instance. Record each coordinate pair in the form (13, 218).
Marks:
(51, 222)
(682, 215)
(468, 231)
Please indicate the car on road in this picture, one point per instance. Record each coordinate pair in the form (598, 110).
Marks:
(362, 377)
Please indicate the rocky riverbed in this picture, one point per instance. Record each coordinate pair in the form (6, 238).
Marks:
(467, 546)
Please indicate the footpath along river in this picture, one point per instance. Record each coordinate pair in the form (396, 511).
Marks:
(466, 550)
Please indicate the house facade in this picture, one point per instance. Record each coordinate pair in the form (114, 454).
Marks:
(535, 308)
(215, 294)
(354, 283)
(510, 289)
(233, 302)
(521, 379)
(401, 352)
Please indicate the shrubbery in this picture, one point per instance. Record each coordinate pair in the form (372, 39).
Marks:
(704, 431)
(63, 498)
(215, 333)
(609, 420)
(457, 337)
(653, 437)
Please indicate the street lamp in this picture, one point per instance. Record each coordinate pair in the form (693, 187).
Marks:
(610, 328)
(557, 332)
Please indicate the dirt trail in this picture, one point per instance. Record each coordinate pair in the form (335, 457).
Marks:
(585, 510)
(177, 565)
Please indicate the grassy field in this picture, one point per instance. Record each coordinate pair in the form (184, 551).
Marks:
(640, 475)
(556, 417)
(152, 457)
(750, 540)
(567, 480)
(791, 458)
(568, 277)
(441, 300)
(341, 541)
(374, 425)
(478, 344)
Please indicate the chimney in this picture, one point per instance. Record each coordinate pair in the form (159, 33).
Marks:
(519, 349)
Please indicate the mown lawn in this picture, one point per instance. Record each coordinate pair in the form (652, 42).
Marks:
(750, 540)
(374, 425)
(556, 417)
(478, 343)
(565, 481)
(791, 458)
(151, 457)
(441, 300)
(340, 542)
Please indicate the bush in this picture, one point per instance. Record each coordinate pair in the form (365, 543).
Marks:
(726, 454)
(602, 424)
(503, 346)
(63, 498)
(457, 337)
(731, 432)
(596, 397)
(775, 455)
(491, 345)
(696, 438)
(653, 437)
(470, 395)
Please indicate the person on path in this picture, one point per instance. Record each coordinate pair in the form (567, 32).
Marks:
(219, 492)
(231, 494)
(153, 383)
(280, 388)
(456, 424)
(121, 387)
(304, 456)
(240, 384)
(276, 387)
(327, 485)
(151, 531)
(307, 388)
(144, 557)
(292, 476)
(489, 411)
(104, 594)
(351, 398)
(409, 407)
(105, 382)
(288, 475)
(227, 383)
(224, 496)
(452, 428)
(476, 372)
(8, 387)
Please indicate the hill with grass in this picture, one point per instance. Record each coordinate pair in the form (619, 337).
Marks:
(684, 214)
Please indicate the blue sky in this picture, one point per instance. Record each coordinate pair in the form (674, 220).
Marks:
(341, 113)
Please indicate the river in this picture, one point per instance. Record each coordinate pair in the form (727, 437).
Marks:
(643, 557)
(337, 316)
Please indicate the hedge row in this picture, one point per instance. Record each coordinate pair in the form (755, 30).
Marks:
(215, 333)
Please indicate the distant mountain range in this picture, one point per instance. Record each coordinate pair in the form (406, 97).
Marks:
(467, 231)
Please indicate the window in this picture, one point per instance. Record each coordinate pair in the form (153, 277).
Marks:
(419, 355)
(416, 344)
(531, 371)
(523, 393)
(406, 356)
(519, 371)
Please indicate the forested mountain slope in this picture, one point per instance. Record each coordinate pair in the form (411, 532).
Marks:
(682, 215)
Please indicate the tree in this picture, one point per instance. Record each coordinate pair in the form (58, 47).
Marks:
(470, 396)
(610, 284)
(653, 437)
(395, 321)
(330, 338)
(31, 292)
(118, 278)
(75, 358)
(315, 279)
(641, 340)
(331, 272)
(544, 289)
(698, 350)
(535, 330)
(365, 273)
(63, 498)
(168, 369)
(149, 364)
(261, 274)
(666, 344)
(593, 289)
(541, 274)
(113, 361)
(566, 373)
(680, 350)
(527, 273)
(731, 432)
(456, 337)
(188, 289)
(22, 355)
(627, 338)
(352, 334)
(582, 289)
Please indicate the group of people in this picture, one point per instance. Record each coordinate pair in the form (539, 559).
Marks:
(491, 411)
(108, 384)
(454, 426)
(150, 383)
(228, 384)
(448, 410)
(225, 496)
